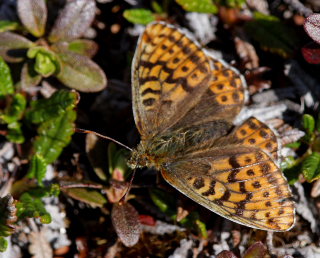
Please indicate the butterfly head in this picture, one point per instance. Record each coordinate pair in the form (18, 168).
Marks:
(140, 158)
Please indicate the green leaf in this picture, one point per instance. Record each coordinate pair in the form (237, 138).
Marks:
(8, 25)
(96, 149)
(200, 6)
(29, 77)
(164, 201)
(117, 162)
(272, 34)
(139, 16)
(15, 133)
(89, 196)
(311, 167)
(11, 45)
(83, 47)
(3, 244)
(111, 150)
(33, 15)
(37, 168)
(6, 84)
(308, 123)
(46, 61)
(80, 73)
(54, 135)
(15, 109)
(318, 123)
(293, 145)
(32, 207)
(45, 109)
(73, 21)
(156, 7)
(202, 228)
(292, 174)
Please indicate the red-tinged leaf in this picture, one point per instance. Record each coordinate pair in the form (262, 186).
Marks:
(256, 250)
(312, 27)
(83, 47)
(125, 220)
(147, 220)
(80, 73)
(11, 45)
(311, 53)
(33, 15)
(73, 21)
(226, 254)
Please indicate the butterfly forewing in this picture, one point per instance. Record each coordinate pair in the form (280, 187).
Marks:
(170, 74)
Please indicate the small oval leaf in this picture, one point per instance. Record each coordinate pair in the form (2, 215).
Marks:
(200, 6)
(12, 46)
(33, 15)
(3, 244)
(311, 53)
(96, 149)
(311, 167)
(73, 21)
(6, 84)
(256, 250)
(8, 25)
(272, 34)
(312, 27)
(125, 220)
(80, 73)
(308, 123)
(29, 77)
(226, 254)
(83, 47)
(92, 197)
(139, 16)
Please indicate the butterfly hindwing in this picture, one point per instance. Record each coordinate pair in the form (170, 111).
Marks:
(253, 132)
(242, 184)
(222, 101)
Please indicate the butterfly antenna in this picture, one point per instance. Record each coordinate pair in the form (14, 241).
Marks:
(78, 130)
(124, 197)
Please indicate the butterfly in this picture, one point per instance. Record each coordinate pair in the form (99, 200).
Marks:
(184, 102)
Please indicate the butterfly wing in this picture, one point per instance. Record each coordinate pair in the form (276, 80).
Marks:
(239, 181)
(242, 184)
(222, 101)
(253, 133)
(170, 73)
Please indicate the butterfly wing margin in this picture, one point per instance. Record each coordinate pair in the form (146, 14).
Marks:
(242, 184)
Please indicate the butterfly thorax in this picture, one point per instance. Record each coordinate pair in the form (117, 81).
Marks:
(163, 148)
